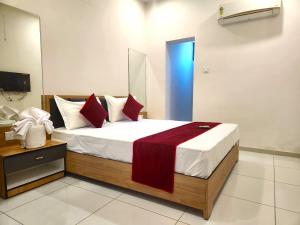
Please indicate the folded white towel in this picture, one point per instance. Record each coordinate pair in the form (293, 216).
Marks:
(32, 117)
(21, 127)
(42, 117)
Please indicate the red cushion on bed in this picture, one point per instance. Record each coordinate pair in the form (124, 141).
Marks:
(93, 111)
(132, 108)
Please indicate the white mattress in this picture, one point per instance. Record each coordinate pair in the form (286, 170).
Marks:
(196, 157)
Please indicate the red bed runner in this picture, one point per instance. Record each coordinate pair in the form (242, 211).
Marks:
(154, 156)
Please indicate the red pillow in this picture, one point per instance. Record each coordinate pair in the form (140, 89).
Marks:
(94, 112)
(132, 108)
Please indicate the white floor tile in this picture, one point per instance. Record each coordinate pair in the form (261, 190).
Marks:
(181, 223)
(289, 162)
(153, 204)
(68, 205)
(5, 220)
(248, 188)
(287, 197)
(69, 180)
(265, 159)
(107, 190)
(232, 211)
(71, 200)
(287, 175)
(119, 213)
(254, 169)
(13, 202)
(284, 217)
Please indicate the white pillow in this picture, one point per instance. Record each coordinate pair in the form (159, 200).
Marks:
(115, 107)
(70, 112)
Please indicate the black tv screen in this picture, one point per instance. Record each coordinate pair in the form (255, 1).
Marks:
(15, 82)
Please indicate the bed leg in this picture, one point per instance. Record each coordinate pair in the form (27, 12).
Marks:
(207, 212)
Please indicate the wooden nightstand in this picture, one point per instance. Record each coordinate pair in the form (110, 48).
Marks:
(24, 169)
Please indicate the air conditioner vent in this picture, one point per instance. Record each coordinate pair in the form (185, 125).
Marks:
(243, 10)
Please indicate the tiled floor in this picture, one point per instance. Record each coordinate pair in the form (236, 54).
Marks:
(262, 190)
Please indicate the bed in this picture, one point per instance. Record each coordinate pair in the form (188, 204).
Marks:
(202, 163)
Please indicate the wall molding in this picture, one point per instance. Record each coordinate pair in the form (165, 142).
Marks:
(272, 152)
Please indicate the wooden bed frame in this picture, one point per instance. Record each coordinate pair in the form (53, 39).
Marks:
(190, 191)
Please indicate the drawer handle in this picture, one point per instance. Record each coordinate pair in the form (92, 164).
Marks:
(39, 157)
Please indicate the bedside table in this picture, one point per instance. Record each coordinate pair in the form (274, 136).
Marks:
(24, 169)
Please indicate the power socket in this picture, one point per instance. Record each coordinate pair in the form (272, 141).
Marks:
(9, 135)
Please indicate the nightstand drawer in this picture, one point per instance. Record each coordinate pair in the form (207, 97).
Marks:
(34, 158)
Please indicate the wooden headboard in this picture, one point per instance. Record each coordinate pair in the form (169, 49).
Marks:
(49, 105)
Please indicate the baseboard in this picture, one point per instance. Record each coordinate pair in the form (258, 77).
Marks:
(272, 152)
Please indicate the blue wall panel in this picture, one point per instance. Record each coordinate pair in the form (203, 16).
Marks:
(180, 81)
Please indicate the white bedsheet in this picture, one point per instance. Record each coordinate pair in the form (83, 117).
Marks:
(196, 157)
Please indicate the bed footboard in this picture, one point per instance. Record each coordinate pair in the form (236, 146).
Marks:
(190, 191)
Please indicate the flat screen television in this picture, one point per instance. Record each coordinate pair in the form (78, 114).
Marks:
(14, 82)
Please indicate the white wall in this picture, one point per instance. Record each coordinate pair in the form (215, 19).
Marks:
(254, 77)
(254, 67)
(85, 43)
(21, 52)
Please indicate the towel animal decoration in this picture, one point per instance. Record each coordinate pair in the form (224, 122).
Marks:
(31, 117)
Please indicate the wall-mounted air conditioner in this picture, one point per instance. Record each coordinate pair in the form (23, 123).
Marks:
(233, 11)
